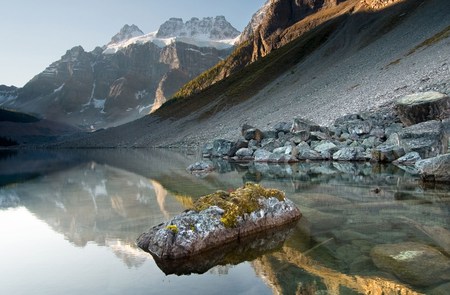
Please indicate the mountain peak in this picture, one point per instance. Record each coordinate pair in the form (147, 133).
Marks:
(127, 32)
(214, 28)
(255, 21)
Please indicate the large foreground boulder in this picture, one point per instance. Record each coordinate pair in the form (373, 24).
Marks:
(435, 169)
(421, 107)
(218, 219)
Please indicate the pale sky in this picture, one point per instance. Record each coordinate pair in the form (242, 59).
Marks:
(35, 33)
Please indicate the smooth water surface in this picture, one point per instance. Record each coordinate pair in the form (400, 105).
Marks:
(69, 219)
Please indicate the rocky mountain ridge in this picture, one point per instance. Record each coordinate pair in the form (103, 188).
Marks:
(278, 23)
(102, 88)
(346, 57)
(217, 28)
(126, 33)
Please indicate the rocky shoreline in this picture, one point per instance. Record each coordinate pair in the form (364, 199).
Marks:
(413, 134)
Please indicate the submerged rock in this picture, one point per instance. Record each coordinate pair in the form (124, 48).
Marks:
(414, 263)
(218, 219)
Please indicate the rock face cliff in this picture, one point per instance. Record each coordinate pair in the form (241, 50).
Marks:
(278, 23)
(128, 77)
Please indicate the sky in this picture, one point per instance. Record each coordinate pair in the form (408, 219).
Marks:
(36, 33)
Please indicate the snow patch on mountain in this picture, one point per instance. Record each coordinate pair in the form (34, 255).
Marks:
(217, 28)
(209, 32)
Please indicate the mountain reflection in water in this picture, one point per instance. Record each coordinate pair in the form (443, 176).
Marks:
(103, 199)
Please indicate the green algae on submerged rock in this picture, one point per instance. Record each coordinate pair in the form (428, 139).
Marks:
(217, 219)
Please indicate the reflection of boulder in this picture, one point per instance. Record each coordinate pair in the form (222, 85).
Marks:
(233, 253)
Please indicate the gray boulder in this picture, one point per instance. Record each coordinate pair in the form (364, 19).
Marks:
(300, 124)
(387, 153)
(421, 107)
(270, 144)
(244, 153)
(240, 143)
(409, 159)
(302, 135)
(269, 134)
(304, 152)
(253, 133)
(358, 127)
(414, 263)
(426, 138)
(261, 155)
(284, 127)
(284, 154)
(326, 146)
(347, 154)
(371, 142)
(234, 216)
(221, 147)
(391, 129)
(318, 135)
(435, 169)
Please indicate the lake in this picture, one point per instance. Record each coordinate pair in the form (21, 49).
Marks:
(69, 221)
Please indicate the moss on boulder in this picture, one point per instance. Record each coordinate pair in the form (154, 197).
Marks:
(239, 202)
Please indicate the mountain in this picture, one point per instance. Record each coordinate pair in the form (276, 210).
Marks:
(217, 28)
(126, 33)
(127, 78)
(275, 24)
(313, 59)
(7, 94)
(24, 129)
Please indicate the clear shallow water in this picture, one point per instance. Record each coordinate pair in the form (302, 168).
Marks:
(68, 222)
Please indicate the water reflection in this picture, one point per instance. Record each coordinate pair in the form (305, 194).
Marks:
(95, 203)
(107, 198)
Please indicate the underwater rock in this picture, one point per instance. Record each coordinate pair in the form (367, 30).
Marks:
(414, 263)
(218, 219)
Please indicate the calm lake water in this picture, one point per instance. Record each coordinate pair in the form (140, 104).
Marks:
(69, 219)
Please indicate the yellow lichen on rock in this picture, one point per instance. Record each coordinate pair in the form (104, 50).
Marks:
(173, 228)
(237, 203)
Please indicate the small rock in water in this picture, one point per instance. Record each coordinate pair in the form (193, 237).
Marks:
(200, 167)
